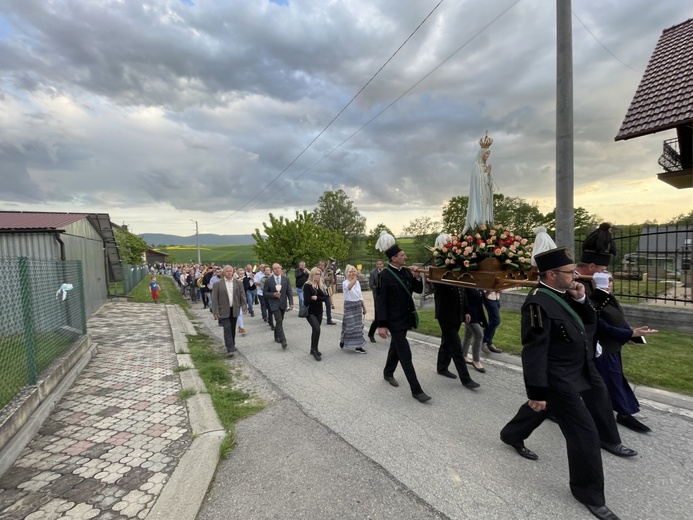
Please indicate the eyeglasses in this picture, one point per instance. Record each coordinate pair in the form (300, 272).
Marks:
(574, 273)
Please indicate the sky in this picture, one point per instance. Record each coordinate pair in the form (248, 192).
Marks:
(165, 113)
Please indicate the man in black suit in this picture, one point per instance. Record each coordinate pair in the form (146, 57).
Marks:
(450, 313)
(373, 284)
(396, 313)
(278, 289)
(559, 372)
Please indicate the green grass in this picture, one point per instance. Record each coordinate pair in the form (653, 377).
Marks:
(14, 357)
(218, 254)
(665, 362)
(231, 405)
(185, 393)
(168, 292)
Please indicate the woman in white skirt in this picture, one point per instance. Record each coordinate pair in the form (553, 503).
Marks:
(354, 311)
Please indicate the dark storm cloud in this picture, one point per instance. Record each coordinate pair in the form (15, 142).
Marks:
(202, 105)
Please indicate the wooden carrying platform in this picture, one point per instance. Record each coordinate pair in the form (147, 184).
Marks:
(491, 276)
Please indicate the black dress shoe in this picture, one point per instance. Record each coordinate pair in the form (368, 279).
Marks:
(470, 384)
(372, 339)
(284, 344)
(631, 422)
(602, 512)
(391, 380)
(422, 397)
(331, 323)
(316, 355)
(447, 373)
(521, 449)
(341, 344)
(619, 450)
(271, 328)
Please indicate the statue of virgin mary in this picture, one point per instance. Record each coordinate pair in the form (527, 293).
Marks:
(480, 208)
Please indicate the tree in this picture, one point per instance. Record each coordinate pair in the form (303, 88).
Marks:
(290, 241)
(455, 214)
(130, 247)
(424, 231)
(336, 212)
(681, 220)
(516, 214)
(584, 221)
(373, 238)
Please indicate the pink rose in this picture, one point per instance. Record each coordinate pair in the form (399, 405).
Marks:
(503, 249)
(482, 226)
(447, 261)
(523, 241)
(497, 252)
(478, 235)
(444, 250)
(508, 261)
(492, 232)
(452, 261)
(466, 263)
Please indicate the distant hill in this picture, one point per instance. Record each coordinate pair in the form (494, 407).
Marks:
(207, 239)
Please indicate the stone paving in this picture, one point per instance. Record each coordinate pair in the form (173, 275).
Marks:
(112, 442)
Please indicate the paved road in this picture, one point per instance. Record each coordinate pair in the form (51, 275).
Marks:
(340, 442)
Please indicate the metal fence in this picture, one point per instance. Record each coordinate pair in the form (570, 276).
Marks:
(43, 315)
(132, 276)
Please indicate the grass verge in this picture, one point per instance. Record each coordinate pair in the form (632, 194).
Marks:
(231, 404)
(665, 362)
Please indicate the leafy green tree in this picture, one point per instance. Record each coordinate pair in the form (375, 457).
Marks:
(455, 214)
(373, 236)
(517, 214)
(131, 248)
(584, 221)
(290, 241)
(336, 212)
(424, 231)
(681, 220)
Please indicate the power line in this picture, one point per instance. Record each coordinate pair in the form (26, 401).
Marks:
(604, 46)
(335, 117)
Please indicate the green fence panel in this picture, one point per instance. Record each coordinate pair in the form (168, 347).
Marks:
(40, 321)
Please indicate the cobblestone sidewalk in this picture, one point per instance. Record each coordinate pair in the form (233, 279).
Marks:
(112, 442)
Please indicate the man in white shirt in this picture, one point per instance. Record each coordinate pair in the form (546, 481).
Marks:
(228, 301)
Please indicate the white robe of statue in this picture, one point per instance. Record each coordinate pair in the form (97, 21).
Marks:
(480, 209)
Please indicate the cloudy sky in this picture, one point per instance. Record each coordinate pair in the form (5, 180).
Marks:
(162, 111)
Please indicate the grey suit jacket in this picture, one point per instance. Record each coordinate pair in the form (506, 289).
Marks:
(270, 289)
(220, 299)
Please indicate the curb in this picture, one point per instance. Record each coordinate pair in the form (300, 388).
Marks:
(186, 488)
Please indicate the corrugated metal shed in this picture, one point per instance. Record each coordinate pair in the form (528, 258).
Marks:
(77, 236)
(664, 98)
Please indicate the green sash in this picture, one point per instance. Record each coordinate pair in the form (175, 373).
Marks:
(414, 315)
(564, 304)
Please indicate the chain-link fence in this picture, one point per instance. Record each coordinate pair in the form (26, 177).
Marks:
(43, 314)
(132, 276)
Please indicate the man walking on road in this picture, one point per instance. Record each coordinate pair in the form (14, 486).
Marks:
(278, 289)
(228, 301)
(558, 372)
(396, 314)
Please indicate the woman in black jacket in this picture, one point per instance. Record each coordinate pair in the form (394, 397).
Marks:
(314, 295)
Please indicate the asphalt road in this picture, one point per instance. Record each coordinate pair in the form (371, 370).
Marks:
(340, 442)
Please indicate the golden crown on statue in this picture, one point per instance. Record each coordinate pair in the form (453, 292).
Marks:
(486, 141)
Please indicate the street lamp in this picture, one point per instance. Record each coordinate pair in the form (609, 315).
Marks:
(197, 238)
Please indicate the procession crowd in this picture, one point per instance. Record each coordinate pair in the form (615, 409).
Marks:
(572, 331)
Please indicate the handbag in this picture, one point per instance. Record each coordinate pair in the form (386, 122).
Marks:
(303, 311)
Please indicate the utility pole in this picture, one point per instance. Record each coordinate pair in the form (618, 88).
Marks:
(197, 238)
(565, 210)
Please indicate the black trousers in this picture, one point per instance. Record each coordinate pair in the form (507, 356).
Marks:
(585, 419)
(270, 320)
(451, 350)
(278, 316)
(314, 321)
(374, 323)
(229, 325)
(400, 352)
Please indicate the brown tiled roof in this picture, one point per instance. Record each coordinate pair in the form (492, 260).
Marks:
(37, 220)
(664, 98)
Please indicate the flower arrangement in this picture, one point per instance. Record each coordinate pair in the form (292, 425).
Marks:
(464, 253)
